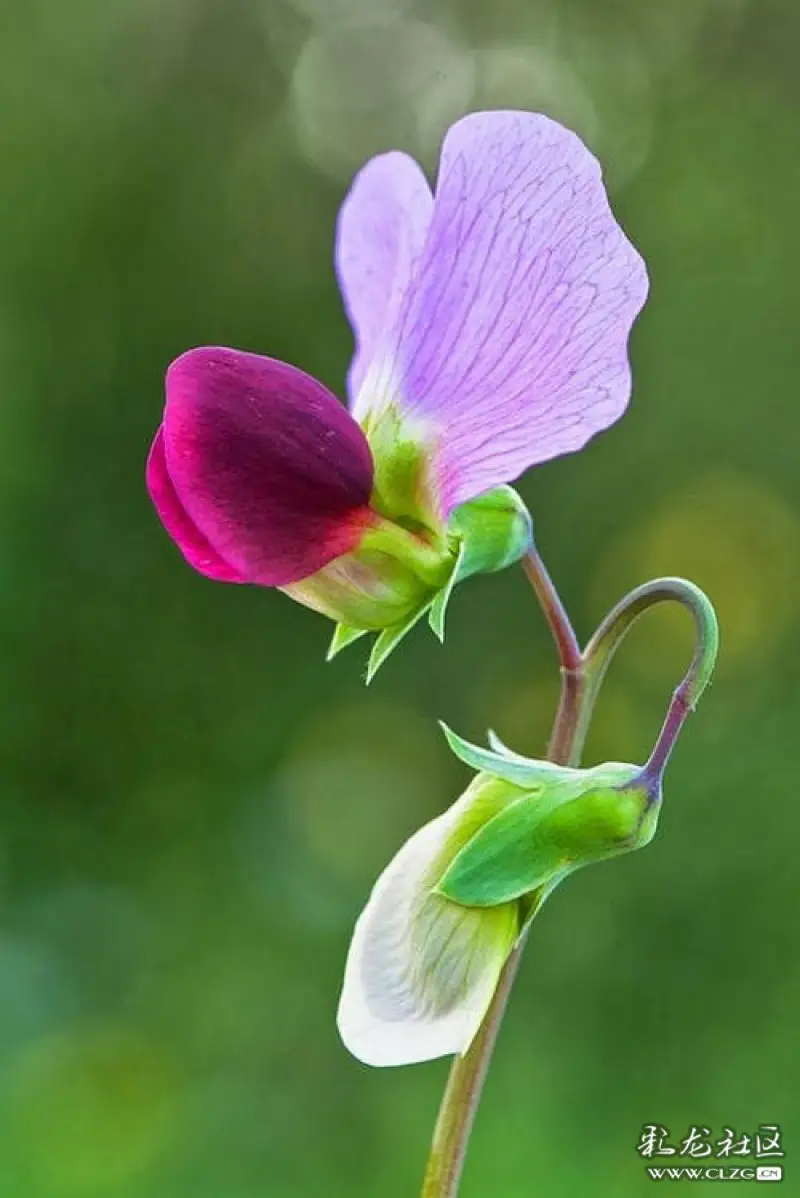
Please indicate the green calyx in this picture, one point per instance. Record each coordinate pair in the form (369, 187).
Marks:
(491, 532)
(388, 577)
(562, 819)
(416, 560)
(399, 488)
(482, 536)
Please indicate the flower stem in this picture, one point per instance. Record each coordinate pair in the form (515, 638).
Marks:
(567, 644)
(561, 746)
(463, 1091)
(582, 675)
(468, 1072)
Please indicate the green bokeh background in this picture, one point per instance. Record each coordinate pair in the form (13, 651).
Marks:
(194, 805)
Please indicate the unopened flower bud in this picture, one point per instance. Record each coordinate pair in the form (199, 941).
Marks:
(429, 947)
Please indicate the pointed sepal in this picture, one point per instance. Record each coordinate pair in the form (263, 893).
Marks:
(522, 771)
(438, 611)
(390, 638)
(343, 636)
(502, 748)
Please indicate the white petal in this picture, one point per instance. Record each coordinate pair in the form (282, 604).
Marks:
(421, 970)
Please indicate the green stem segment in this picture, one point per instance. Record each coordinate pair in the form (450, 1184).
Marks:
(467, 1073)
(567, 644)
(560, 747)
(581, 678)
(463, 1092)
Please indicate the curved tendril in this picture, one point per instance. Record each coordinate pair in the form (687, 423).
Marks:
(610, 634)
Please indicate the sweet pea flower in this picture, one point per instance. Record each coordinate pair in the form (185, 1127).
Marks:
(428, 949)
(491, 324)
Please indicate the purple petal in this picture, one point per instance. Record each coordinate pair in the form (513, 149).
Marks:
(191, 542)
(512, 341)
(380, 236)
(270, 471)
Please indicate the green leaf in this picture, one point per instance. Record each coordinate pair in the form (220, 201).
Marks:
(343, 636)
(390, 638)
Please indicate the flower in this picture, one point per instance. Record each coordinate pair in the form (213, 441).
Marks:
(428, 949)
(491, 323)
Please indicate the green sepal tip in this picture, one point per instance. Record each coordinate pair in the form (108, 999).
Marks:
(390, 638)
(521, 771)
(343, 635)
(438, 610)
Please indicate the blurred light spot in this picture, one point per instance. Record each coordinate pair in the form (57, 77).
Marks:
(349, 12)
(531, 78)
(614, 71)
(357, 782)
(92, 1109)
(738, 540)
(388, 85)
(532, 23)
(286, 30)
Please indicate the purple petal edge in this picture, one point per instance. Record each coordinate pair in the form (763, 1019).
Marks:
(380, 236)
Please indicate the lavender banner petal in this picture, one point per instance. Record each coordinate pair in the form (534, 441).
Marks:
(512, 341)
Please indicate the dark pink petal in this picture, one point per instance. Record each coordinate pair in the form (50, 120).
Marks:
(380, 236)
(191, 542)
(268, 466)
(510, 347)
